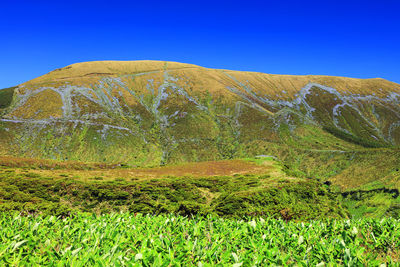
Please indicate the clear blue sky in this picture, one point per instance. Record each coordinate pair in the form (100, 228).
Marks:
(344, 38)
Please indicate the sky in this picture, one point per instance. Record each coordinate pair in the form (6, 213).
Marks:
(358, 39)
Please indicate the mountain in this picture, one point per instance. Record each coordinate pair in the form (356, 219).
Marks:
(148, 113)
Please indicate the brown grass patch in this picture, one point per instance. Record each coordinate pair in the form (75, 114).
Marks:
(87, 171)
(43, 105)
(208, 168)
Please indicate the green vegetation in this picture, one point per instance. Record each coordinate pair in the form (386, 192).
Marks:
(6, 96)
(237, 196)
(355, 139)
(239, 220)
(364, 169)
(166, 240)
(280, 190)
(376, 203)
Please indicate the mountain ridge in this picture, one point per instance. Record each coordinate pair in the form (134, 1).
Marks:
(103, 68)
(189, 65)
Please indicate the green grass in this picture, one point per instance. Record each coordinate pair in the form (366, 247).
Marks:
(260, 159)
(6, 96)
(167, 240)
(355, 139)
(374, 203)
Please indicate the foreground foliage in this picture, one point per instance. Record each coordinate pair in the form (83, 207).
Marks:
(165, 240)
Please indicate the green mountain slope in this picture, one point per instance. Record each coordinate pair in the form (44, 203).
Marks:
(147, 113)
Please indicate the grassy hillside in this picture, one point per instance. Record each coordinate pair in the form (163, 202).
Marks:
(166, 112)
(339, 130)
